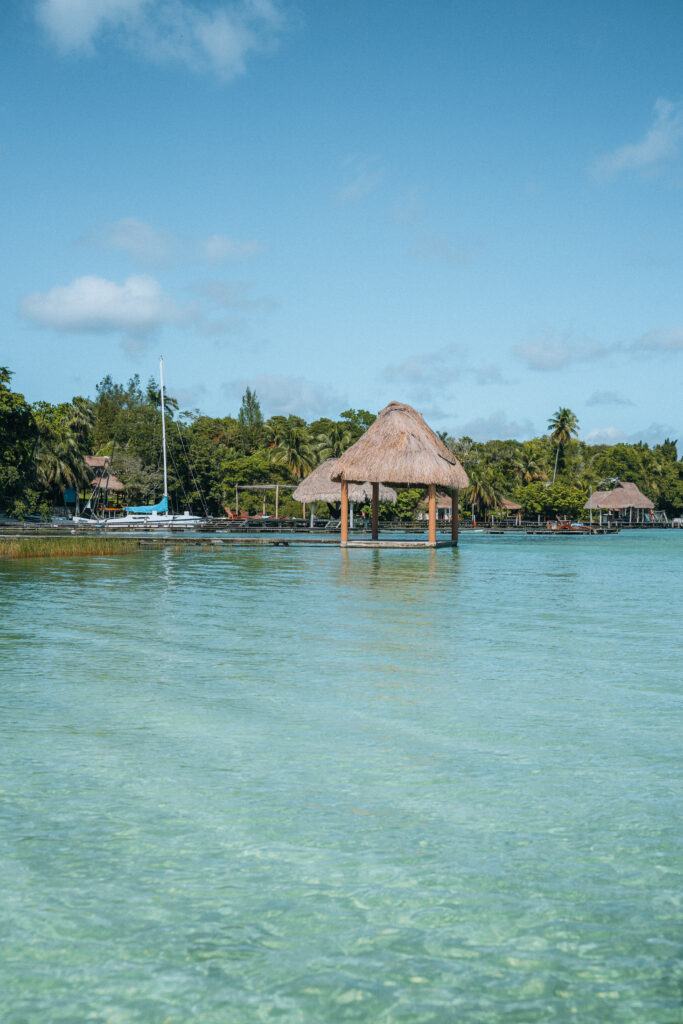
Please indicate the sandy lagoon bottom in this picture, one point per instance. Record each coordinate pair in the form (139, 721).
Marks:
(297, 784)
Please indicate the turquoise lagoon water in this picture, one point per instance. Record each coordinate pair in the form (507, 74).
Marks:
(297, 785)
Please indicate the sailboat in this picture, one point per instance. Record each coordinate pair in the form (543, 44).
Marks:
(145, 516)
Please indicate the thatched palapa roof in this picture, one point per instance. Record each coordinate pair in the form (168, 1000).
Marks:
(400, 448)
(114, 484)
(623, 495)
(319, 486)
(511, 506)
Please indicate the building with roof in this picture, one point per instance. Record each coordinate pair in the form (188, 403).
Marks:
(399, 448)
(624, 501)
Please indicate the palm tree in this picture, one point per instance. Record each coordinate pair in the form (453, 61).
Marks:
(527, 469)
(295, 451)
(80, 421)
(334, 441)
(563, 426)
(59, 464)
(483, 491)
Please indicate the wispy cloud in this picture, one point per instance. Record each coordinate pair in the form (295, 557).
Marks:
(282, 395)
(430, 374)
(217, 38)
(496, 427)
(141, 242)
(135, 309)
(148, 246)
(653, 434)
(660, 341)
(555, 352)
(604, 435)
(362, 177)
(235, 295)
(660, 143)
(608, 398)
(220, 249)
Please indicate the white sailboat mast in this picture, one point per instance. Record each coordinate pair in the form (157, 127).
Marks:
(163, 423)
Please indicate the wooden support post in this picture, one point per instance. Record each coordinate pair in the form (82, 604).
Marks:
(237, 500)
(432, 513)
(264, 501)
(375, 511)
(344, 512)
(455, 514)
(277, 501)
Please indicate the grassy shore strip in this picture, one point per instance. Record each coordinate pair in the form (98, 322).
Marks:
(60, 547)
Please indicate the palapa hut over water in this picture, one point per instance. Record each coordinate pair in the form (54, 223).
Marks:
(399, 448)
(624, 497)
(319, 486)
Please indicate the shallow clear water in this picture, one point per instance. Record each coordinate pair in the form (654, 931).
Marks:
(296, 784)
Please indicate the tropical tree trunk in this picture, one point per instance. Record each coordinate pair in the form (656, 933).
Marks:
(557, 455)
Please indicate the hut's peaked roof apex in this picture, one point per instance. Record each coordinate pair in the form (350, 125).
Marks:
(400, 448)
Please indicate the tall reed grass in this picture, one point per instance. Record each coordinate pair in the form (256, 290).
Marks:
(60, 547)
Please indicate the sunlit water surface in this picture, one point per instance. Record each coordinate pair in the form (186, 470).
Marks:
(292, 784)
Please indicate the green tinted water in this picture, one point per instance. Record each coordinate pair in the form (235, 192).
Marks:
(296, 785)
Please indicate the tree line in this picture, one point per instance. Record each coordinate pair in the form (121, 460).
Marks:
(43, 447)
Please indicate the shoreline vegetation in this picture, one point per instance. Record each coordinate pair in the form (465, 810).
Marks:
(44, 447)
(61, 547)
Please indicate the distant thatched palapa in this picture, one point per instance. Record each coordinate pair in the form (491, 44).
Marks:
(400, 448)
(319, 486)
(624, 496)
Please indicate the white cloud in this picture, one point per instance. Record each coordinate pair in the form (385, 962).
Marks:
(554, 352)
(654, 434)
(136, 308)
(659, 144)
(607, 398)
(427, 375)
(496, 427)
(604, 435)
(150, 247)
(282, 395)
(219, 248)
(660, 341)
(74, 24)
(140, 241)
(218, 39)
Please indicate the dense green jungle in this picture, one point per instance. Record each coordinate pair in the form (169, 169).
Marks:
(42, 449)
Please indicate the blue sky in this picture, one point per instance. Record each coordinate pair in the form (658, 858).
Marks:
(473, 207)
